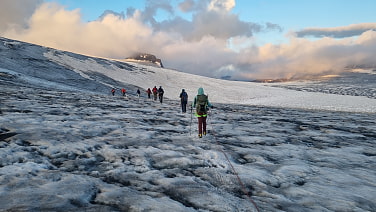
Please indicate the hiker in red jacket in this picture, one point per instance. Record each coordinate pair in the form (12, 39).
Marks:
(123, 91)
(155, 93)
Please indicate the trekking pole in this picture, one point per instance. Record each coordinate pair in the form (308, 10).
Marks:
(190, 127)
(209, 117)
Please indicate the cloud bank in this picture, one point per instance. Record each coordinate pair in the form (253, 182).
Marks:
(15, 13)
(201, 45)
(338, 32)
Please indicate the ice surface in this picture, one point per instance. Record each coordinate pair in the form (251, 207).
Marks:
(66, 144)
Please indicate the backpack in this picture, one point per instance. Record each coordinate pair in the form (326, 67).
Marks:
(202, 104)
(184, 97)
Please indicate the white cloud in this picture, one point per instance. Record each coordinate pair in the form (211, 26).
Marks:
(110, 36)
(221, 5)
(214, 43)
(338, 32)
(15, 13)
(302, 57)
(187, 5)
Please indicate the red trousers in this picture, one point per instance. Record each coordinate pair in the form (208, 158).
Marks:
(201, 125)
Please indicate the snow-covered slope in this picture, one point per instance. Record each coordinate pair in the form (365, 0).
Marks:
(221, 91)
(91, 74)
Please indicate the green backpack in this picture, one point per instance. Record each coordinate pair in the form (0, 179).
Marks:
(202, 104)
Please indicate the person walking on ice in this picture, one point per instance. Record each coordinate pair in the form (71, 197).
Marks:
(123, 91)
(148, 91)
(201, 103)
(155, 93)
(183, 101)
(160, 94)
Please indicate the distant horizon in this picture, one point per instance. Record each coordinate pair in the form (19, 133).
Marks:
(359, 69)
(240, 40)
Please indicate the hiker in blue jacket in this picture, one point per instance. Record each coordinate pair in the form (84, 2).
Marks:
(202, 104)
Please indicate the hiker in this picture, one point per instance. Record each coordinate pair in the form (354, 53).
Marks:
(155, 93)
(160, 94)
(149, 92)
(113, 91)
(201, 103)
(123, 91)
(138, 93)
(183, 100)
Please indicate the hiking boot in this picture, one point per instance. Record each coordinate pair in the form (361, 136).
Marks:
(205, 133)
(200, 135)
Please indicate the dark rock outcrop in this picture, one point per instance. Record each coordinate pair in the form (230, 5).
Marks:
(145, 57)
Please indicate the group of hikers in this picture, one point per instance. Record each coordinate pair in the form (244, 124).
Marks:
(200, 103)
(156, 93)
(123, 91)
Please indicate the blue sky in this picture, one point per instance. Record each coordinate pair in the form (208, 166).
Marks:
(308, 13)
(288, 14)
(243, 39)
(291, 13)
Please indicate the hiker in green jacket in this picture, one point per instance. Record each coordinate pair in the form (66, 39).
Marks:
(202, 104)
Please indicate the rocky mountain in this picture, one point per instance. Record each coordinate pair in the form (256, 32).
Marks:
(145, 58)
